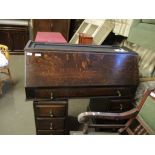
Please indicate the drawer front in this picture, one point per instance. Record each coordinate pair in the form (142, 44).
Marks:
(50, 132)
(110, 105)
(50, 110)
(83, 92)
(50, 124)
(120, 105)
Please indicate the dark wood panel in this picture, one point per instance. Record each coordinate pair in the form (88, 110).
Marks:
(41, 25)
(61, 25)
(15, 37)
(20, 40)
(5, 39)
(73, 66)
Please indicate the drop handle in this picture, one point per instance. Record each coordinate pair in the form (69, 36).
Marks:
(121, 107)
(51, 26)
(51, 95)
(51, 113)
(51, 126)
(119, 93)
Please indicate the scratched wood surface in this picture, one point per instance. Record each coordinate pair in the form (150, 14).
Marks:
(80, 69)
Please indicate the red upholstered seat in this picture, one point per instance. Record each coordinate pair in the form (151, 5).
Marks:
(53, 37)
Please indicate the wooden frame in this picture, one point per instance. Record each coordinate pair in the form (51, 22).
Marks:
(5, 70)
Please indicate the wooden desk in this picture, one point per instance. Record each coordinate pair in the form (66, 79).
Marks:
(57, 72)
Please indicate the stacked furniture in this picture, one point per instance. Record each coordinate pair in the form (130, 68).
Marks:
(15, 34)
(51, 25)
(97, 29)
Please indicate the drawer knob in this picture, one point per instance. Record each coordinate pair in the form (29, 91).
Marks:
(51, 126)
(121, 107)
(119, 93)
(51, 113)
(51, 95)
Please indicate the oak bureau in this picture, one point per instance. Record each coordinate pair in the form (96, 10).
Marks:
(57, 72)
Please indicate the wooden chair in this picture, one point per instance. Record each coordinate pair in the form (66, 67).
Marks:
(5, 69)
(85, 39)
(134, 125)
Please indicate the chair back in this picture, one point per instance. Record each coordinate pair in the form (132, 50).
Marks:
(144, 122)
(5, 51)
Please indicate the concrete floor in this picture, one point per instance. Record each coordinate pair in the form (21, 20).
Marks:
(16, 114)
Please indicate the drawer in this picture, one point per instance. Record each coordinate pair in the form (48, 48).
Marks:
(110, 105)
(120, 105)
(74, 92)
(50, 123)
(51, 102)
(58, 110)
(50, 132)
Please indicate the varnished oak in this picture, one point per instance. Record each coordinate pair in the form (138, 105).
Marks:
(63, 71)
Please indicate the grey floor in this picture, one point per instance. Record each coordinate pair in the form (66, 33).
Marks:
(16, 114)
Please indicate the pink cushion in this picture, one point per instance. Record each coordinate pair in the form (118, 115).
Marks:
(53, 37)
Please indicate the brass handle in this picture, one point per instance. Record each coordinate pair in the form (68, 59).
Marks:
(51, 95)
(51, 25)
(51, 113)
(121, 106)
(51, 126)
(119, 93)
